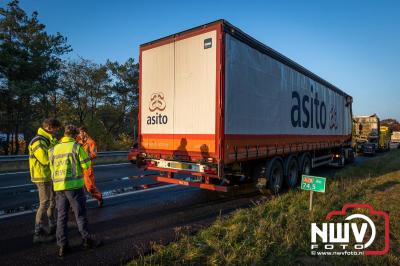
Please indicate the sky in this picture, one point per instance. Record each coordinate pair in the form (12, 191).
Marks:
(354, 45)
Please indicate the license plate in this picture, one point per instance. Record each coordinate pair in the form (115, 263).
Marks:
(184, 166)
(179, 166)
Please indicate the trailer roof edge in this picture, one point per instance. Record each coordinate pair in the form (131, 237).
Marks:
(242, 36)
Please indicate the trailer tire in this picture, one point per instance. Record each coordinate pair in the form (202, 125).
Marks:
(342, 161)
(275, 174)
(305, 164)
(291, 171)
(350, 156)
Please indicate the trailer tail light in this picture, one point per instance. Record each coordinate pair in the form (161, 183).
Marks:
(151, 164)
(211, 170)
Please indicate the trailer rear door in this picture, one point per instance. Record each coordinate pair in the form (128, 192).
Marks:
(178, 96)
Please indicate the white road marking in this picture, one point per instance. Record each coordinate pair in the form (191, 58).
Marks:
(91, 200)
(16, 214)
(24, 185)
(14, 173)
(111, 164)
(31, 184)
(136, 192)
(100, 165)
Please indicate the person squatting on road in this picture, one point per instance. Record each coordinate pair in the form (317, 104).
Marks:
(88, 175)
(67, 160)
(41, 177)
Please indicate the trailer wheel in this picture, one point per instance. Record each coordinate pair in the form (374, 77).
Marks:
(291, 171)
(275, 174)
(342, 161)
(350, 156)
(305, 164)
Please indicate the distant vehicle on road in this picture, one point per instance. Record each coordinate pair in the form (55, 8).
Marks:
(384, 138)
(222, 107)
(369, 135)
(395, 139)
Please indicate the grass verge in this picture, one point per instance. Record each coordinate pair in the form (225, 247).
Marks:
(277, 232)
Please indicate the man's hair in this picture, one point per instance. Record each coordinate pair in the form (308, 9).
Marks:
(70, 131)
(83, 128)
(51, 122)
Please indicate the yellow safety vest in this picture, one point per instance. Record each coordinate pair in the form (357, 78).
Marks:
(67, 159)
(38, 156)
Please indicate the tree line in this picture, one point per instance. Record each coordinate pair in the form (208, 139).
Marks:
(393, 124)
(36, 83)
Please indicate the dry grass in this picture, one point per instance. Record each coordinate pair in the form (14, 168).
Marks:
(277, 232)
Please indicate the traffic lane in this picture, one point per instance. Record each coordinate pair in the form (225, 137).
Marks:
(126, 224)
(362, 158)
(330, 171)
(25, 198)
(101, 172)
(109, 182)
(394, 145)
(112, 179)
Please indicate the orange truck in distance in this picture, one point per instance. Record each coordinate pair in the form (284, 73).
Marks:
(219, 107)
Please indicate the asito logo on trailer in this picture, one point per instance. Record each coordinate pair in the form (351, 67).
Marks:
(333, 118)
(353, 234)
(308, 111)
(157, 103)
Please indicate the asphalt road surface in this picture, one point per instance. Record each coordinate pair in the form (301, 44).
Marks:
(136, 212)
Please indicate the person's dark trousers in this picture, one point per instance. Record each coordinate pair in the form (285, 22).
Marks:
(77, 200)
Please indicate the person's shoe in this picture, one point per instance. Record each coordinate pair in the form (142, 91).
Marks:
(41, 237)
(64, 250)
(100, 203)
(88, 243)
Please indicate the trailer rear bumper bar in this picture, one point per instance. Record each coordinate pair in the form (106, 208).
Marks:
(191, 184)
(186, 172)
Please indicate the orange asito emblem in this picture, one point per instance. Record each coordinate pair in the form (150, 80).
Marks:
(157, 102)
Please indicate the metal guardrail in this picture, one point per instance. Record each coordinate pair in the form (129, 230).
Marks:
(15, 158)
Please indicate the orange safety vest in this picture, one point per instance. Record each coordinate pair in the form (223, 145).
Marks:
(89, 146)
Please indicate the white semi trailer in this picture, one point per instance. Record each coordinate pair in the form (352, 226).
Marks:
(220, 106)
